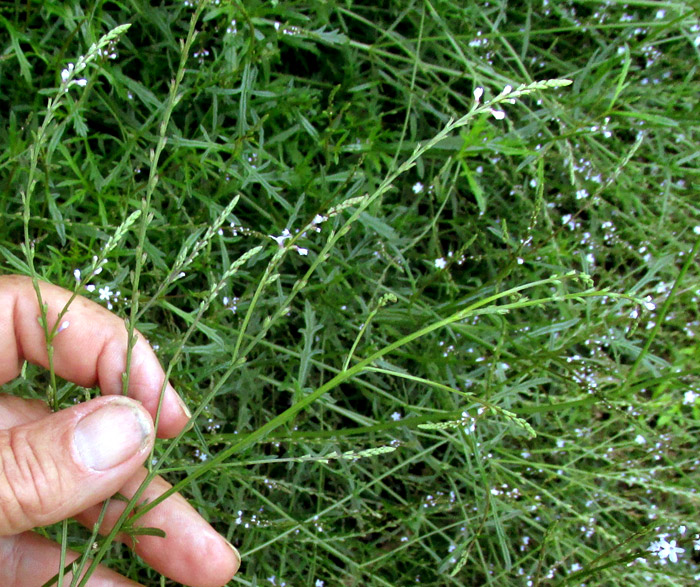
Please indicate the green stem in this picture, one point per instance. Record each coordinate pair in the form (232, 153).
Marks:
(662, 315)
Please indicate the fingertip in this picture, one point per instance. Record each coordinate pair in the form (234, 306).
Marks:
(119, 430)
(174, 414)
(146, 382)
(58, 465)
(183, 406)
(228, 565)
(236, 558)
(192, 553)
(223, 561)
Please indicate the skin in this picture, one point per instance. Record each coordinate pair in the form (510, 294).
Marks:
(90, 352)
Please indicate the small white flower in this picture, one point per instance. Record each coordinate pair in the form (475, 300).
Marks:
(440, 263)
(81, 82)
(497, 114)
(665, 549)
(396, 416)
(478, 92)
(417, 187)
(65, 74)
(669, 550)
(76, 274)
(302, 251)
(689, 397)
(507, 90)
(696, 230)
(319, 583)
(283, 237)
(90, 287)
(105, 293)
(640, 439)
(65, 324)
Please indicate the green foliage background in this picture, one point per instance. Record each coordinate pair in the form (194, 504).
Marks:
(298, 107)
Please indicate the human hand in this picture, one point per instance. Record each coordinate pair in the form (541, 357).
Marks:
(64, 464)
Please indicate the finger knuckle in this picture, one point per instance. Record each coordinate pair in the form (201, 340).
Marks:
(29, 482)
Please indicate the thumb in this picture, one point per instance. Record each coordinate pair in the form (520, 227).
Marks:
(55, 467)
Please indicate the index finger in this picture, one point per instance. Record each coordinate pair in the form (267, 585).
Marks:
(89, 350)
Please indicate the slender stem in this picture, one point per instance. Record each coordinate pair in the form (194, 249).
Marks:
(93, 538)
(662, 314)
(64, 541)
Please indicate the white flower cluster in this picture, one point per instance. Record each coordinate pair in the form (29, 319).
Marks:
(67, 75)
(468, 422)
(105, 293)
(231, 303)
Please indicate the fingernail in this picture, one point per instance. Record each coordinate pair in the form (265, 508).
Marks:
(111, 435)
(235, 552)
(183, 405)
